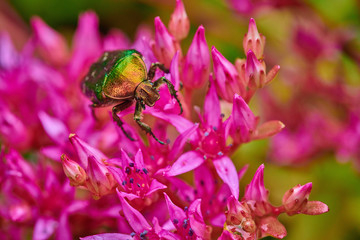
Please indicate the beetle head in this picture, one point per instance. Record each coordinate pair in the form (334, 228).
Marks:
(147, 93)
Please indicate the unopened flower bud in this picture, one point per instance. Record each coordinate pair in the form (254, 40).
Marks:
(73, 171)
(256, 190)
(243, 121)
(197, 61)
(84, 150)
(296, 198)
(179, 24)
(227, 79)
(255, 72)
(100, 181)
(165, 45)
(253, 40)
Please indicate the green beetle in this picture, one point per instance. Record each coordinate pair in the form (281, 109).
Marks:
(119, 78)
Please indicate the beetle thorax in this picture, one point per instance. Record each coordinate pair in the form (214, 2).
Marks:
(147, 93)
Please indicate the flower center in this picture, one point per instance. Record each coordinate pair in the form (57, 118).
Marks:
(212, 143)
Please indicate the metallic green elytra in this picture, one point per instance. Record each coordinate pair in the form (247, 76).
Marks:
(119, 78)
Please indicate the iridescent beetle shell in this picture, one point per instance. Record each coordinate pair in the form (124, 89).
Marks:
(114, 77)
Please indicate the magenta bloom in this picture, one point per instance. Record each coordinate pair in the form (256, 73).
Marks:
(133, 178)
(255, 217)
(189, 222)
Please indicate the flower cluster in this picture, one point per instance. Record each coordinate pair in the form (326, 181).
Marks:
(83, 169)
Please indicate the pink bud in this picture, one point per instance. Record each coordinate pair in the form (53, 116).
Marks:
(100, 180)
(179, 24)
(52, 45)
(73, 171)
(255, 72)
(227, 79)
(197, 61)
(239, 217)
(296, 198)
(243, 121)
(256, 189)
(84, 150)
(253, 40)
(165, 45)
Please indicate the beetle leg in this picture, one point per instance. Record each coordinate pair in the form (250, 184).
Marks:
(153, 67)
(118, 108)
(171, 88)
(144, 126)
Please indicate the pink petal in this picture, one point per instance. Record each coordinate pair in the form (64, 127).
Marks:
(174, 71)
(63, 231)
(180, 123)
(181, 140)
(86, 44)
(52, 45)
(256, 190)
(227, 172)
(9, 58)
(197, 61)
(267, 129)
(182, 189)
(174, 211)
(44, 228)
(196, 220)
(55, 128)
(218, 220)
(315, 208)
(108, 236)
(185, 163)
(270, 226)
(154, 186)
(212, 113)
(204, 181)
(116, 40)
(226, 236)
(134, 217)
(139, 160)
(243, 171)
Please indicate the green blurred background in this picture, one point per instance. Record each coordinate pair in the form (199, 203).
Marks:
(337, 185)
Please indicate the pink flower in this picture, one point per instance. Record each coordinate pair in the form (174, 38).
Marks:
(133, 178)
(142, 229)
(255, 217)
(189, 222)
(99, 180)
